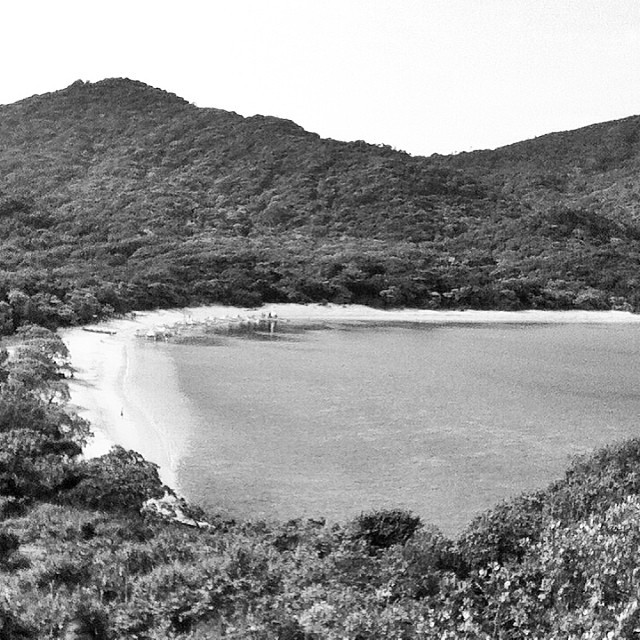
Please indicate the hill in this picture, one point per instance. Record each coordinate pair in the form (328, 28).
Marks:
(116, 195)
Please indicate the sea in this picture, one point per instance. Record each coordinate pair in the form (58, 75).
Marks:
(444, 420)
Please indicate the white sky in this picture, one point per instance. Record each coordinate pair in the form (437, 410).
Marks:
(420, 75)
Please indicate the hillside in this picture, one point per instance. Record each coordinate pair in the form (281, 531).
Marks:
(116, 195)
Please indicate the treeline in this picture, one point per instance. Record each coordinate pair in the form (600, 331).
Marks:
(288, 269)
(41, 439)
(116, 196)
(83, 554)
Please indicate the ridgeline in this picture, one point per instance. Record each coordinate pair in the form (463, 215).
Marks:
(115, 195)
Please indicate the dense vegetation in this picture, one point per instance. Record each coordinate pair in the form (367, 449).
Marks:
(84, 553)
(117, 196)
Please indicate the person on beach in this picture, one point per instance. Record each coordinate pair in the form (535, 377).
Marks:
(273, 321)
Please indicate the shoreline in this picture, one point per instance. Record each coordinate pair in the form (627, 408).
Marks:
(122, 399)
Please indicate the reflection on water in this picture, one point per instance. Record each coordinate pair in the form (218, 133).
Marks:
(442, 420)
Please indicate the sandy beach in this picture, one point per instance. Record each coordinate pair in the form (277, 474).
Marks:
(126, 398)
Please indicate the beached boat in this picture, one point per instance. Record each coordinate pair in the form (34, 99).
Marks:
(108, 332)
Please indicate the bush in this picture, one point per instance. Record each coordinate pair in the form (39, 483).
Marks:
(596, 481)
(8, 544)
(118, 481)
(591, 485)
(426, 557)
(504, 533)
(90, 621)
(11, 628)
(68, 572)
(11, 507)
(382, 529)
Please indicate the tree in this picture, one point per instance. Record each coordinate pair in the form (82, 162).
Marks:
(36, 465)
(39, 439)
(121, 480)
(38, 364)
(6, 319)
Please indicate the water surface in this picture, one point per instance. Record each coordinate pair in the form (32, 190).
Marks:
(443, 420)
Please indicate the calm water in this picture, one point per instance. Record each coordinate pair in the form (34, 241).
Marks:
(442, 420)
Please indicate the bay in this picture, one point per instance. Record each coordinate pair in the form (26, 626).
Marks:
(444, 420)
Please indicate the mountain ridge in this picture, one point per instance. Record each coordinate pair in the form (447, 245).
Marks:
(136, 198)
(121, 85)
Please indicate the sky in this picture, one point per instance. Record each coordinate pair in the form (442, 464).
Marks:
(424, 76)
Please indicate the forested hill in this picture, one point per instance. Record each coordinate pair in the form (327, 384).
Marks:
(118, 195)
(594, 169)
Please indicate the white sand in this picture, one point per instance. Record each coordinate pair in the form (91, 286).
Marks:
(126, 405)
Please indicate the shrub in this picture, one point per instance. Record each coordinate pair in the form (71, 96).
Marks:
(118, 481)
(90, 621)
(504, 533)
(11, 507)
(596, 481)
(11, 628)
(592, 484)
(68, 572)
(382, 529)
(8, 544)
(427, 556)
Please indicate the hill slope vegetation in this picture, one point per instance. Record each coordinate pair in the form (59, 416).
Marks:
(118, 196)
(115, 195)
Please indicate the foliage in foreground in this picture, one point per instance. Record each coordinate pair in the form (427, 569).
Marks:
(77, 556)
(149, 579)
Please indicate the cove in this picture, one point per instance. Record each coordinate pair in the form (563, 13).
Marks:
(444, 420)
